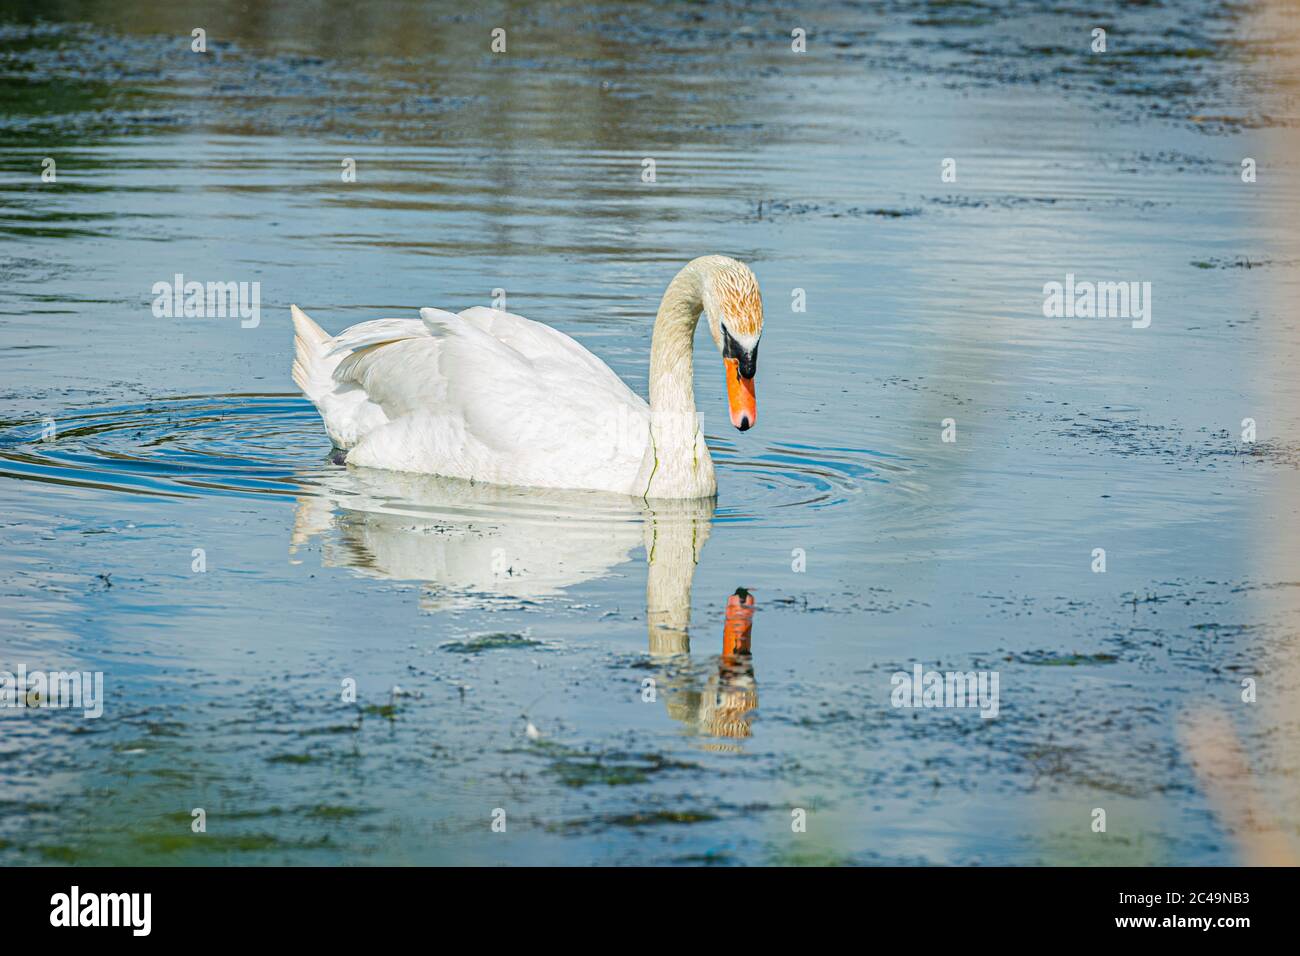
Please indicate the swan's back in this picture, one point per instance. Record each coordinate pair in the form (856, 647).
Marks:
(484, 395)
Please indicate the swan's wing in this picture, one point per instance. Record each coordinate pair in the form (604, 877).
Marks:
(452, 366)
(379, 398)
(485, 336)
(400, 376)
(402, 366)
(539, 342)
(463, 403)
(532, 392)
(375, 332)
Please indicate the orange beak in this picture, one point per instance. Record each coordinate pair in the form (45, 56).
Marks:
(739, 623)
(740, 396)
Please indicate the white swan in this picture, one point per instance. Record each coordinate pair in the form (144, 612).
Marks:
(491, 396)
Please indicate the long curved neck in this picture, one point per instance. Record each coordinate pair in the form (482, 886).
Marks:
(682, 467)
(672, 379)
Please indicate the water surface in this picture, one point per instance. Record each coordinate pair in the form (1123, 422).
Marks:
(465, 614)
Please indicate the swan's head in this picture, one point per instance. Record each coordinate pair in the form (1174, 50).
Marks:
(735, 310)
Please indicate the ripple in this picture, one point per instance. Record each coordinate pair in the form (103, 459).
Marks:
(258, 445)
(189, 446)
(787, 475)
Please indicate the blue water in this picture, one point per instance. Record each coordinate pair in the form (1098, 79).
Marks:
(466, 614)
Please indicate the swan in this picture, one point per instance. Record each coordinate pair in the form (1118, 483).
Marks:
(490, 396)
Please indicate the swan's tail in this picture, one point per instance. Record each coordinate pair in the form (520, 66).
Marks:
(345, 408)
(313, 369)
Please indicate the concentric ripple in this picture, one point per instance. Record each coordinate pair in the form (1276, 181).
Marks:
(788, 475)
(254, 445)
(242, 445)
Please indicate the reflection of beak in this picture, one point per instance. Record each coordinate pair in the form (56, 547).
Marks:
(740, 622)
(740, 396)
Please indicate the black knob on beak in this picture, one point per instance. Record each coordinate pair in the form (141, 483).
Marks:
(746, 359)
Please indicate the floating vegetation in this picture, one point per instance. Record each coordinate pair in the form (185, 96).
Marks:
(646, 818)
(1049, 659)
(291, 758)
(491, 642)
(575, 768)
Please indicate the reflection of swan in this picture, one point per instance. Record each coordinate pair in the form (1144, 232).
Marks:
(476, 544)
(724, 706)
(469, 542)
(494, 397)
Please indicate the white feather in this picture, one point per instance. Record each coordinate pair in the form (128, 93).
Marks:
(485, 395)
(491, 396)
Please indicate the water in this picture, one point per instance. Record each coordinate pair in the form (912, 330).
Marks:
(465, 614)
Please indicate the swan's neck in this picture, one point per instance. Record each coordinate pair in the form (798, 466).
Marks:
(683, 468)
(672, 389)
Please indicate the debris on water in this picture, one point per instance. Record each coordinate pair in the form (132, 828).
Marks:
(575, 767)
(1048, 659)
(331, 812)
(1241, 262)
(634, 820)
(778, 208)
(499, 640)
(290, 758)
